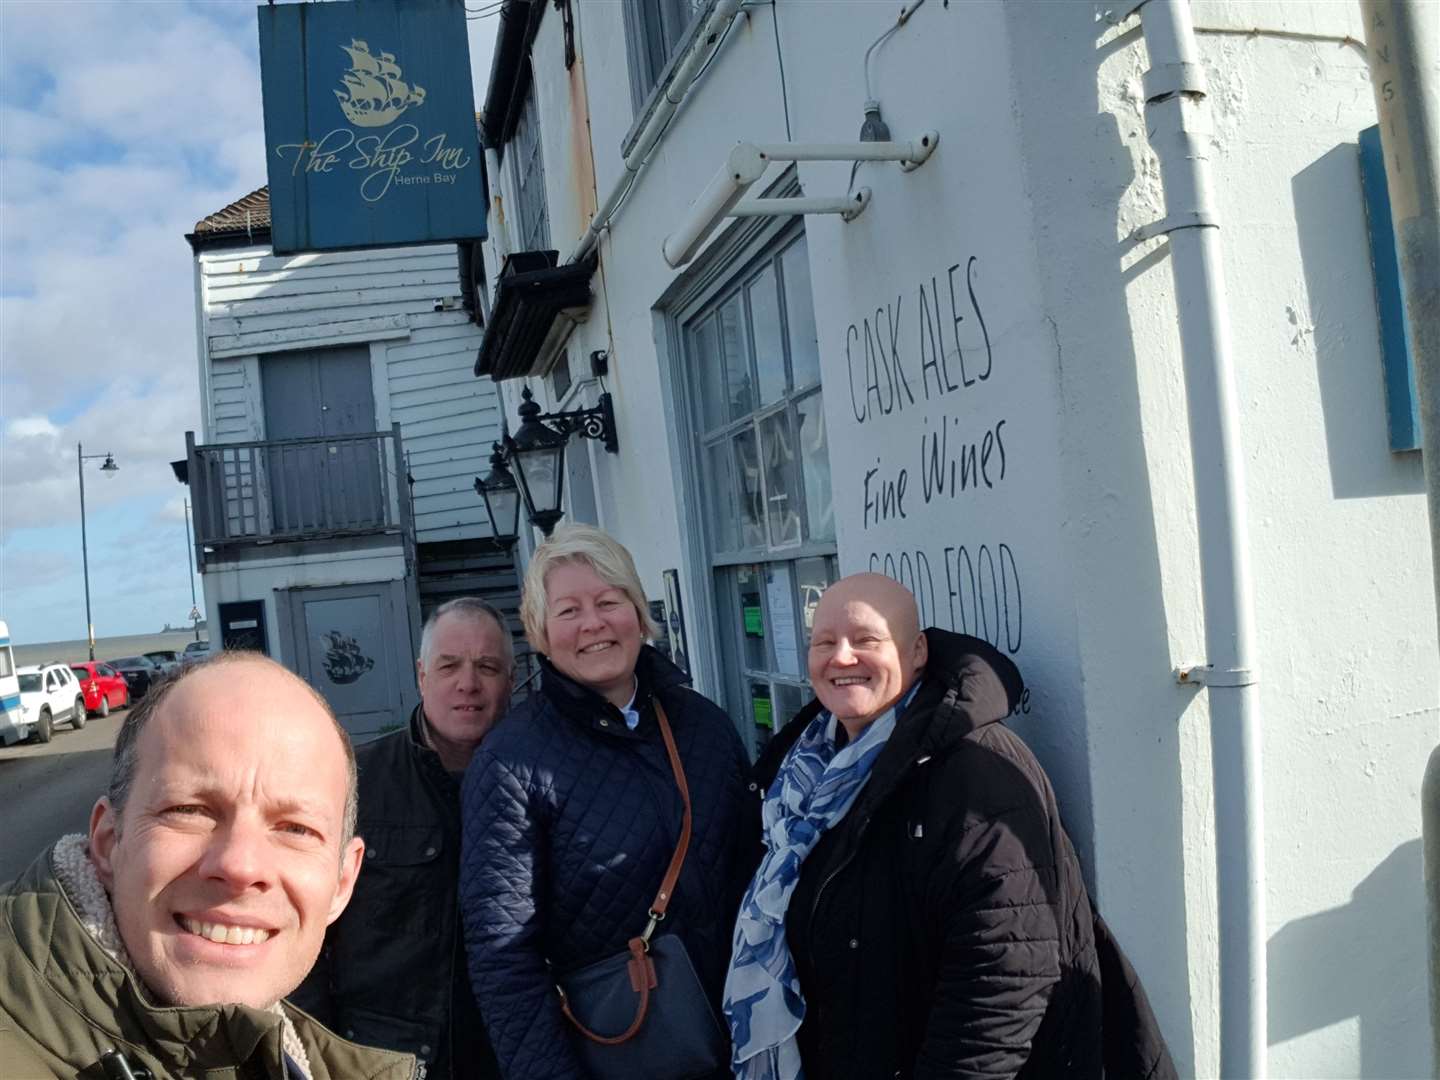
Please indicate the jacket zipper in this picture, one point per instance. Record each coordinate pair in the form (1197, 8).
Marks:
(853, 852)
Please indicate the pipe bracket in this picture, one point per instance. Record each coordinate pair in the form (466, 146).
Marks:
(1186, 219)
(1167, 80)
(1210, 675)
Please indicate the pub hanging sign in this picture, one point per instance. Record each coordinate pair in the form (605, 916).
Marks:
(370, 133)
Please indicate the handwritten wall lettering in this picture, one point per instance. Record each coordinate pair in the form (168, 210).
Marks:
(886, 349)
(969, 589)
(900, 356)
(950, 466)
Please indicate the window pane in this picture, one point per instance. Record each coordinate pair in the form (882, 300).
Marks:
(722, 486)
(815, 464)
(786, 700)
(706, 357)
(754, 655)
(747, 487)
(769, 350)
(812, 578)
(738, 389)
(800, 315)
(782, 504)
(762, 713)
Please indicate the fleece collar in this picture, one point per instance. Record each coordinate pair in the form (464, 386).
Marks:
(91, 904)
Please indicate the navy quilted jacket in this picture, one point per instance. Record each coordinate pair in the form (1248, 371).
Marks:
(570, 820)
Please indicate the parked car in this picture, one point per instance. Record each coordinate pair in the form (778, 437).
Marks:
(166, 659)
(50, 693)
(196, 650)
(14, 727)
(139, 672)
(103, 686)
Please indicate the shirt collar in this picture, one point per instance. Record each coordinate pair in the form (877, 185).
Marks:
(632, 714)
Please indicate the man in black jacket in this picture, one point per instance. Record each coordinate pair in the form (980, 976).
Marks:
(392, 972)
(940, 925)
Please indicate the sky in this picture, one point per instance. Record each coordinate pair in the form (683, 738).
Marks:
(122, 124)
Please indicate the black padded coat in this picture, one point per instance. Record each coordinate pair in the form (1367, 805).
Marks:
(942, 928)
(392, 970)
(570, 820)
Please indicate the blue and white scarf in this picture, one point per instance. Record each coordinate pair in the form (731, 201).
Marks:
(815, 787)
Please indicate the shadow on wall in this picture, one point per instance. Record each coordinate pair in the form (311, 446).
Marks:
(1080, 169)
(1366, 960)
(1330, 215)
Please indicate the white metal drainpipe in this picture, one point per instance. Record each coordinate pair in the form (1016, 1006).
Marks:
(700, 49)
(1178, 120)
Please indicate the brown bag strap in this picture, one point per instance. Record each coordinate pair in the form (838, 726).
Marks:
(640, 966)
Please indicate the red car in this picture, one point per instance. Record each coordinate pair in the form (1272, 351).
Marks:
(104, 687)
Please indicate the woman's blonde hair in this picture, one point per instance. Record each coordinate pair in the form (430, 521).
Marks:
(598, 550)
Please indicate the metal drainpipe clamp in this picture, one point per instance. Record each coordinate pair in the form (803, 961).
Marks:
(1210, 675)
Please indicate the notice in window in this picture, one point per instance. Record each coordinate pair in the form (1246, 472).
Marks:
(781, 598)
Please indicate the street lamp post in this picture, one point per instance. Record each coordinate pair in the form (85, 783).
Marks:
(109, 469)
(190, 565)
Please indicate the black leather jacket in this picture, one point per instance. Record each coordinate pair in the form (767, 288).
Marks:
(392, 972)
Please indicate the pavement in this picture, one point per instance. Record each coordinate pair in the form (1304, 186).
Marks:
(47, 791)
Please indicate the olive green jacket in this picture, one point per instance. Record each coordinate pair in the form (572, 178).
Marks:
(65, 1001)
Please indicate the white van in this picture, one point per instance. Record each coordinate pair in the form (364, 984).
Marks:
(13, 726)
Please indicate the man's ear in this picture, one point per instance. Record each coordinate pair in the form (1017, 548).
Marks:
(350, 860)
(420, 674)
(922, 652)
(104, 832)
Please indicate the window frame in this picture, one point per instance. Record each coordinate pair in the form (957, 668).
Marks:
(526, 154)
(731, 264)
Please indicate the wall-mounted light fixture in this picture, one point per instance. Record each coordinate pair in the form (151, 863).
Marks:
(502, 500)
(537, 453)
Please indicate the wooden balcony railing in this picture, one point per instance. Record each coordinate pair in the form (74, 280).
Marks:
(297, 489)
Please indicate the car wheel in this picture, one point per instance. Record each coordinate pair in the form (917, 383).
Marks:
(77, 715)
(104, 705)
(126, 703)
(44, 729)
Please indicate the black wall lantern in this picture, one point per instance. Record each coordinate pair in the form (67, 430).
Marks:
(537, 452)
(502, 500)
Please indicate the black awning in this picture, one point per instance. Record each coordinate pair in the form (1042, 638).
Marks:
(530, 295)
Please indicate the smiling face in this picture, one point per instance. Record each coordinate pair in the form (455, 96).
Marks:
(866, 648)
(465, 679)
(592, 630)
(226, 864)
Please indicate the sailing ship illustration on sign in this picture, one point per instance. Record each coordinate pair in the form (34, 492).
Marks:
(344, 662)
(375, 94)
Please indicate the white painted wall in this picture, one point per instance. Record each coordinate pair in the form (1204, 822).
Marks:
(422, 360)
(291, 567)
(1042, 172)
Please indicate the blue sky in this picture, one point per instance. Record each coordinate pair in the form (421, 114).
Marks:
(121, 125)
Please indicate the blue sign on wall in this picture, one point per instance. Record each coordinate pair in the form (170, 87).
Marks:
(370, 132)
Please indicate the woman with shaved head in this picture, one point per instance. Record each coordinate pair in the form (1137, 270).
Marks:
(918, 910)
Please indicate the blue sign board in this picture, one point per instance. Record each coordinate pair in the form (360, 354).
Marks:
(370, 132)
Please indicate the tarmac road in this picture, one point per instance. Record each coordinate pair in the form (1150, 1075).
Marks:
(47, 791)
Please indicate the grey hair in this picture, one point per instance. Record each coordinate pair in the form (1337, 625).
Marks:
(469, 607)
(126, 761)
(594, 548)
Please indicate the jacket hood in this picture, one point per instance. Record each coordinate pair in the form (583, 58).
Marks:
(969, 681)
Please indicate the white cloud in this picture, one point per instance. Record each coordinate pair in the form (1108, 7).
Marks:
(31, 427)
(124, 123)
